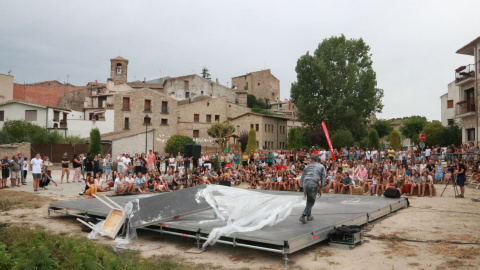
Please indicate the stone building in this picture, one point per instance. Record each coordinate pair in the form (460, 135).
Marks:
(118, 70)
(285, 108)
(271, 129)
(262, 84)
(6, 87)
(195, 118)
(191, 87)
(465, 105)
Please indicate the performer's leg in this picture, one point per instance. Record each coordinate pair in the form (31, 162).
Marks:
(311, 196)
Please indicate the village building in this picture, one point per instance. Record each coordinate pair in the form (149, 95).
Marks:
(262, 84)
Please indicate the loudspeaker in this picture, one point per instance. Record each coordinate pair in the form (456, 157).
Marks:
(188, 150)
(225, 183)
(197, 151)
(392, 193)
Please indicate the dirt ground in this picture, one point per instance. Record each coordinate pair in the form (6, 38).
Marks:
(439, 218)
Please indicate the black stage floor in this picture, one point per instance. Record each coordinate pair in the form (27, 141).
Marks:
(288, 236)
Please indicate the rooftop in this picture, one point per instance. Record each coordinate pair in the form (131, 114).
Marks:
(44, 95)
(468, 49)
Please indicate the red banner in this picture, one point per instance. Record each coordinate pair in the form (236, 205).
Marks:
(325, 130)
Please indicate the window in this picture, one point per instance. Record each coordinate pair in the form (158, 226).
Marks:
(164, 122)
(196, 117)
(31, 115)
(257, 144)
(266, 145)
(126, 104)
(126, 124)
(258, 84)
(196, 133)
(470, 134)
(201, 93)
(187, 94)
(256, 127)
(2, 115)
(246, 86)
(449, 104)
(251, 126)
(450, 122)
(273, 94)
(148, 105)
(186, 85)
(208, 118)
(119, 68)
(164, 106)
(266, 127)
(56, 116)
(217, 117)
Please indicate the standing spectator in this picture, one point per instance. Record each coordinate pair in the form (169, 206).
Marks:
(151, 161)
(24, 170)
(96, 166)
(22, 161)
(36, 168)
(120, 163)
(158, 162)
(5, 171)
(428, 152)
(107, 166)
(65, 169)
(88, 163)
(461, 178)
(47, 166)
(77, 168)
(15, 171)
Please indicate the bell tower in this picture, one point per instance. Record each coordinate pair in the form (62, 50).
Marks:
(118, 70)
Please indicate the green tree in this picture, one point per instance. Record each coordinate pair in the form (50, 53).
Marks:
(95, 147)
(337, 83)
(412, 126)
(221, 132)
(396, 140)
(294, 138)
(434, 133)
(205, 73)
(177, 143)
(44, 137)
(382, 127)
(20, 130)
(373, 139)
(73, 140)
(252, 141)
(452, 135)
(243, 140)
(342, 138)
(253, 102)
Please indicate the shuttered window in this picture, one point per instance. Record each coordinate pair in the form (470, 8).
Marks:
(31, 115)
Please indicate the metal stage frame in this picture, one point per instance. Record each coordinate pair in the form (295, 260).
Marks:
(286, 237)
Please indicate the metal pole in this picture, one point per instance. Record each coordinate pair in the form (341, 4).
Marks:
(146, 134)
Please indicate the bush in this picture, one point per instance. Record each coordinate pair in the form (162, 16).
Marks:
(396, 140)
(17, 131)
(452, 135)
(243, 139)
(95, 142)
(342, 138)
(252, 141)
(294, 138)
(177, 143)
(73, 140)
(253, 102)
(373, 139)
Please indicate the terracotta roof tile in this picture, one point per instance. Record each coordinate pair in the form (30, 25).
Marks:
(45, 95)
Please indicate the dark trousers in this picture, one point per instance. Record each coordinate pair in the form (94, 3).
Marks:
(311, 196)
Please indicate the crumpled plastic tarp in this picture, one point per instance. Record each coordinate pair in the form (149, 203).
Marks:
(245, 210)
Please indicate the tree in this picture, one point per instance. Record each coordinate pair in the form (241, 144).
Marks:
(396, 140)
(177, 143)
(338, 77)
(434, 133)
(373, 139)
(412, 126)
(20, 130)
(342, 138)
(44, 137)
(221, 132)
(382, 127)
(243, 139)
(253, 102)
(95, 147)
(205, 73)
(252, 141)
(72, 140)
(294, 138)
(452, 135)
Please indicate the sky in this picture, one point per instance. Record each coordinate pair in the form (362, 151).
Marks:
(413, 43)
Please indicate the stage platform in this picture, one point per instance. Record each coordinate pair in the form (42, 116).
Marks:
(330, 211)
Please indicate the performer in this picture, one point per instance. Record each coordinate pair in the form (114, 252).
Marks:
(313, 179)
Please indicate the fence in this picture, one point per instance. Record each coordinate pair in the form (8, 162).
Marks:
(55, 151)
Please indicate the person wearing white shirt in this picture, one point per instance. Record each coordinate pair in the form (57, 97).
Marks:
(120, 184)
(120, 163)
(36, 168)
(323, 155)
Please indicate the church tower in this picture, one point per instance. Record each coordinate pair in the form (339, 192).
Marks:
(118, 70)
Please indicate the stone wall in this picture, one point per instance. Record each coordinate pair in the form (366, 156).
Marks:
(74, 100)
(13, 149)
(194, 86)
(262, 84)
(267, 129)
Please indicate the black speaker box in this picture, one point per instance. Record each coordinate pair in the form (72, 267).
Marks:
(225, 183)
(197, 151)
(188, 150)
(392, 193)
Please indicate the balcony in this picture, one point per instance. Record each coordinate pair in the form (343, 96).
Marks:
(465, 73)
(465, 108)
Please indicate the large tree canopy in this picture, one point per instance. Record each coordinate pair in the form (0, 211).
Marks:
(411, 127)
(337, 83)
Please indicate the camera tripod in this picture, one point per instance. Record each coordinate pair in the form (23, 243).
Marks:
(454, 183)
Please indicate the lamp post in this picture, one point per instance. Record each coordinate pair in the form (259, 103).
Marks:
(146, 121)
(153, 140)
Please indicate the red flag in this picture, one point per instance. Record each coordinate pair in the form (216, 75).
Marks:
(328, 140)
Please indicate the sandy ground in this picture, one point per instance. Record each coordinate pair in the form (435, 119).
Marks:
(439, 218)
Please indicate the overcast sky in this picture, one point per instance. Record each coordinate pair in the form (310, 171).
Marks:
(412, 43)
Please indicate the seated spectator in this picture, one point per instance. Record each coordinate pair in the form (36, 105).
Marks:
(427, 181)
(91, 187)
(140, 183)
(120, 184)
(346, 183)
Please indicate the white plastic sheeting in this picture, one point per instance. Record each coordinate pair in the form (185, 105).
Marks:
(245, 210)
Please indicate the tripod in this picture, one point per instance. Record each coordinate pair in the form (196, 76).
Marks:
(454, 183)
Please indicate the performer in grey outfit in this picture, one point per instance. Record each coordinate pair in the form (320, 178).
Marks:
(313, 179)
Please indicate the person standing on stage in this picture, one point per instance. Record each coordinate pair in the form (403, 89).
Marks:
(313, 180)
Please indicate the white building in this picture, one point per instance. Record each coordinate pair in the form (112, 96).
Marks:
(193, 86)
(448, 101)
